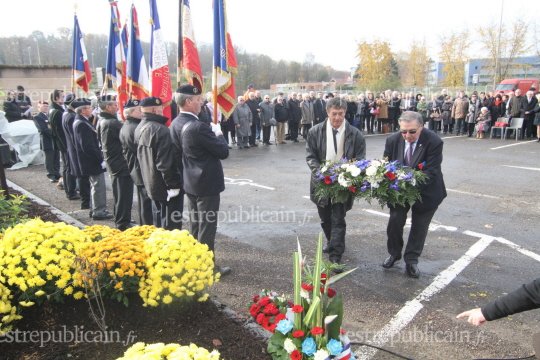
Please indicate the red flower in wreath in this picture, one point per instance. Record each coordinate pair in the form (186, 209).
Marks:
(279, 317)
(254, 309)
(323, 278)
(265, 301)
(331, 293)
(298, 333)
(327, 180)
(260, 318)
(307, 287)
(271, 309)
(352, 189)
(297, 308)
(296, 355)
(421, 165)
(317, 331)
(390, 176)
(256, 298)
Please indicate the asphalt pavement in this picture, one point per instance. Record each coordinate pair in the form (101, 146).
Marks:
(483, 243)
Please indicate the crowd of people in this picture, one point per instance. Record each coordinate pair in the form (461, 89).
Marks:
(293, 115)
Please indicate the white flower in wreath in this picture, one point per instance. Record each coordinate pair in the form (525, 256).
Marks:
(324, 169)
(289, 346)
(376, 163)
(372, 170)
(353, 170)
(413, 182)
(304, 294)
(344, 166)
(343, 181)
(321, 355)
(374, 184)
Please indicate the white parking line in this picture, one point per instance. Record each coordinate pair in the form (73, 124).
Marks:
(411, 308)
(514, 144)
(519, 248)
(473, 194)
(522, 167)
(249, 182)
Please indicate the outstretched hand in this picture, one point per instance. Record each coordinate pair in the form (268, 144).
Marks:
(474, 316)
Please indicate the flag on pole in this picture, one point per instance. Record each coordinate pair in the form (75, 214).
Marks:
(159, 64)
(224, 62)
(124, 37)
(137, 73)
(80, 68)
(188, 56)
(116, 63)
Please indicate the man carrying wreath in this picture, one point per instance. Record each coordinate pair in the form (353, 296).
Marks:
(333, 140)
(418, 148)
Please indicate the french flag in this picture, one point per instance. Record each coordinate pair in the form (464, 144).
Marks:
(137, 73)
(116, 62)
(188, 56)
(159, 65)
(81, 74)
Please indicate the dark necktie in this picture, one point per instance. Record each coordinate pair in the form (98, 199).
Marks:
(408, 155)
(334, 132)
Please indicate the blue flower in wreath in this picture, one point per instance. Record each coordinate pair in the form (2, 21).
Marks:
(308, 346)
(284, 326)
(334, 347)
(391, 167)
(394, 186)
(363, 164)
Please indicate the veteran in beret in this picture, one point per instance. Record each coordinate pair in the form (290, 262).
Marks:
(108, 130)
(159, 169)
(133, 116)
(89, 158)
(202, 147)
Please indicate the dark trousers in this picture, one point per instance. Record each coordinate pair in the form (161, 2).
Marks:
(334, 227)
(168, 214)
(266, 134)
(122, 187)
(254, 134)
(203, 217)
(52, 164)
(293, 130)
(417, 235)
(305, 130)
(84, 190)
(470, 128)
(144, 206)
(527, 129)
(70, 181)
(370, 122)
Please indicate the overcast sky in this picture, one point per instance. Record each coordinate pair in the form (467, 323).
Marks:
(287, 29)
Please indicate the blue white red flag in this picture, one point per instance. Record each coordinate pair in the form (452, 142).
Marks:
(159, 65)
(115, 75)
(188, 56)
(224, 62)
(81, 74)
(137, 72)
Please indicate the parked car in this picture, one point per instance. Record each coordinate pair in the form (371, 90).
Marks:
(508, 85)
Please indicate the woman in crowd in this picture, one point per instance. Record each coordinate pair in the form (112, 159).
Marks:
(482, 122)
(242, 120)
(382, 117)
(370, 116)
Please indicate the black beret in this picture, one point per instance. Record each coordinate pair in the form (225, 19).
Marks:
(151, 101)
(132, 103)
(81, 102)
(68, 99)
(20, 88)
(107, 98)
(188, 90)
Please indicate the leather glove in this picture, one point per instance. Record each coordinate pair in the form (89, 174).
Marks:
(216, 129)
(171, 193)
(103, 165)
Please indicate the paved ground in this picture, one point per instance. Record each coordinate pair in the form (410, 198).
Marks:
(483, 244)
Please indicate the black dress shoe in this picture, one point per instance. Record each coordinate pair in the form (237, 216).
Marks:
(74, 197)
(102, 217)
(390, 261)
(223, 270)
(412, 270)
(326, 249)
(339, 266)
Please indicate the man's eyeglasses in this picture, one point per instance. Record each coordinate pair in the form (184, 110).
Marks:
(412, 131)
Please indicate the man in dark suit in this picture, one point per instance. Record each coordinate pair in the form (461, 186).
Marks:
(414, 145)
(52, 155)
(529, 103)
(332, 140)
(203, 146)
(319, 109)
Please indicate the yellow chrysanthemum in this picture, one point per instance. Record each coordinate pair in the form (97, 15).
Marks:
(170, 352)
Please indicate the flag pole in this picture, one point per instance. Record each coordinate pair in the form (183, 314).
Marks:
(73, 53)
(180, 48)
(214, 95)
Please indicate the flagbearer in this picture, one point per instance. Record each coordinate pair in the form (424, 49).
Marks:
(203, 146)
(133, 115)
(159, 169)
(108, 129)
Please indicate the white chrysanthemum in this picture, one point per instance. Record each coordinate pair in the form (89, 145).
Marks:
(321, 355)
(324, 169)
(289, 346)
(344, 166)
(353, 170)
(375, 163)
(343, 181)
(374, 184)
(413, 182)
(371, 170)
